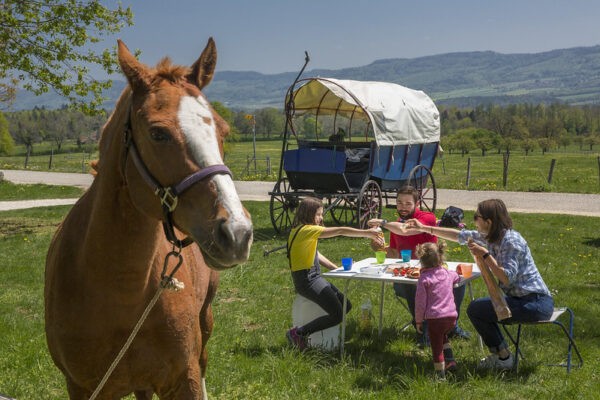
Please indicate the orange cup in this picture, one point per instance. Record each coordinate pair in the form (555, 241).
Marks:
(467, 270)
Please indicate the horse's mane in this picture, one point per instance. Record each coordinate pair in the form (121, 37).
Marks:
(165, 69)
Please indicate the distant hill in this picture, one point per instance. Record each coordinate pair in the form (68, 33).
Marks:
(464, 79)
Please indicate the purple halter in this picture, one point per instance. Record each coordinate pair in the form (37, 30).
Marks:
(168, 195)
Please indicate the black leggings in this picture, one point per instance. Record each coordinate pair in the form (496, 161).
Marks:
(327, 296)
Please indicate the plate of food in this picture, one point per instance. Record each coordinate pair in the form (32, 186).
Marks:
(404, 270)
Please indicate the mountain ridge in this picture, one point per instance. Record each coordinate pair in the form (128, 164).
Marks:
(462, 79)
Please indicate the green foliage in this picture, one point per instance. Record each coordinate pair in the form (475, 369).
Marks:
(7, 144)
(248, 353)
(44, 46)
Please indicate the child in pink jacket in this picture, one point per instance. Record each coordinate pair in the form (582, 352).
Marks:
(434, 303)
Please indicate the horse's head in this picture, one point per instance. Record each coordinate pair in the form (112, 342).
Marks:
(177, 141)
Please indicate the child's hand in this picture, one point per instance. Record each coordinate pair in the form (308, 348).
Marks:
(419, 327)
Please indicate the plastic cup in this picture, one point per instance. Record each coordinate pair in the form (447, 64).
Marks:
(405, 254)
(347, 263)
(380, 257)
(467, 270)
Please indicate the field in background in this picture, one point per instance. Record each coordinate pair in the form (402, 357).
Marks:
(575, 171)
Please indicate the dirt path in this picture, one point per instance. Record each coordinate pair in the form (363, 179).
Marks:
(527, 202)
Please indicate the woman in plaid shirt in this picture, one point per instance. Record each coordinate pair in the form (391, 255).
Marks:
(507, 255)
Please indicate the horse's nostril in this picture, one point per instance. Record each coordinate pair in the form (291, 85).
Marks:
(235, 235)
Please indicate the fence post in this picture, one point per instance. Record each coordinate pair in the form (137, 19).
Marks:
(468, 171)
(552, 163)
(50, 161)
(268, 165)
(598, 170)
(505, 157)
(83, 162)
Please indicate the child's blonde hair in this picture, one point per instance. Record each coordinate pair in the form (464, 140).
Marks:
(430, 254)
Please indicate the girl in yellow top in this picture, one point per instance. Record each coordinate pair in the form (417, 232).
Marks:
(305, 262)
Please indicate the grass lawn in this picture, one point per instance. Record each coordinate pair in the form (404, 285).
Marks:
(11, 191)
(249, 355)
(575, 171)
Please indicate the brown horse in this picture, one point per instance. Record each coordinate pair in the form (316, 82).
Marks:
(105, 262)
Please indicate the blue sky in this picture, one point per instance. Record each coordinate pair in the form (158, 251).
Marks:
(270, 36)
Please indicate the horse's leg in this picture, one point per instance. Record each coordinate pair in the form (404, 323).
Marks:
(75, 391)
(206, 324)
(143, 394)
(206, 327)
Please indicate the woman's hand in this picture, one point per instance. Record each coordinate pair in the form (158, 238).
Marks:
(476, 249)
(413, 224)
(419, 327)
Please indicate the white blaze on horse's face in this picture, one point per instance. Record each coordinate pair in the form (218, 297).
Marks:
(198, 126)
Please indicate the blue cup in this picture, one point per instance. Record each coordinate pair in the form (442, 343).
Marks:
(405, 254)
(347, 263)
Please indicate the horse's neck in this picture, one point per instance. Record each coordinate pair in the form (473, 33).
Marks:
(114, 222)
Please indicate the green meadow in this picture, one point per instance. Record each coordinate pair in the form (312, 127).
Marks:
(250, 357)
(575, 170)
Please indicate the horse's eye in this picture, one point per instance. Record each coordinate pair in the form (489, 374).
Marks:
(160, 135)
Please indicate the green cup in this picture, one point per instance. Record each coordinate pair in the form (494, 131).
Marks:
(380, 257)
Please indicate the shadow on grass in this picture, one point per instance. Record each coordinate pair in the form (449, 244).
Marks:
(593, 242)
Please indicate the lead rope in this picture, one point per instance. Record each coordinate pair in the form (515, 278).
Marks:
(167, 282)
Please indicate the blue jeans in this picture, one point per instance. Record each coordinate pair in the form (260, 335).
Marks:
(530, 308)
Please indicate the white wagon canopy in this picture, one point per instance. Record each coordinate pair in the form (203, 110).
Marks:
(398, 115)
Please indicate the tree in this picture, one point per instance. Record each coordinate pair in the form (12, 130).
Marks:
(270, 120)
(228, 116)
(528, 145)
(44, 44)
(7, 144)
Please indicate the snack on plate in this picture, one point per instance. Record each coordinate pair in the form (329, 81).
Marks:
(404, 270)
(413, 273)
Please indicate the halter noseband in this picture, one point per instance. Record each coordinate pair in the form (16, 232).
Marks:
(168, 195)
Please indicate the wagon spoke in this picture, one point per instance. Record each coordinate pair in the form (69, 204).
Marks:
(369, 203)
(282, 206)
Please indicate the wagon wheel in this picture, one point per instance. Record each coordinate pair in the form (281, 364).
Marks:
(282, 207)
(369, 203)
(344, 212)
(421, 179)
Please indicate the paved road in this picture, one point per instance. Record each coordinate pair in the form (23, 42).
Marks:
(553, 203)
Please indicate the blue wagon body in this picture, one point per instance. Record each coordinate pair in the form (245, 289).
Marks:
(355, 172)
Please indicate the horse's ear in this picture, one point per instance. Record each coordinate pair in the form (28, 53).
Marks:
(135, 72)
(204, 67)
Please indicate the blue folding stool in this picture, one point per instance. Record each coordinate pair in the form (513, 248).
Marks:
(553, 320)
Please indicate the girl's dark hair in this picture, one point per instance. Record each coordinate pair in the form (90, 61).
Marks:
(305, 215)
(495, 211)
(430, 254)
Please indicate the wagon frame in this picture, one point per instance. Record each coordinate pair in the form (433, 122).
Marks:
(354, 173)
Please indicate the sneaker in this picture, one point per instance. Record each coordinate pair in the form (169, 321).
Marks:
(494, 362)
(295, 339)
(459, 333)
(439, 375)
(451, 366)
